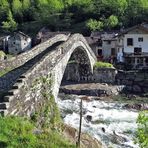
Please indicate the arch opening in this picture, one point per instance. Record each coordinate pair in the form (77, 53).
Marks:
(78, 68)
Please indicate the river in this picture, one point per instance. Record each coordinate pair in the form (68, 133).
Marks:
(107, 121)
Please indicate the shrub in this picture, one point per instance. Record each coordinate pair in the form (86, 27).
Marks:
(142, 132)
(103, 65)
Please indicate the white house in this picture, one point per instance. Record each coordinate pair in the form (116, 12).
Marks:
(133, 45)
(18, 42)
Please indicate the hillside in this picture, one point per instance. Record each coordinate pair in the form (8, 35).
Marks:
(73, 15)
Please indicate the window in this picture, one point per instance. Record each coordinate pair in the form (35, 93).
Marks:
(129, 41)
(137, 50)
(140, 39)
(99, 42)
(122, 49)
(146, 60)
(100, 52)
(113, 51)
(108, 42)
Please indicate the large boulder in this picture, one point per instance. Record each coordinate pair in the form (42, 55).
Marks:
(86, 140)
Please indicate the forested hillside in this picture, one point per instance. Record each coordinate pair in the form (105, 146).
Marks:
(73, 15)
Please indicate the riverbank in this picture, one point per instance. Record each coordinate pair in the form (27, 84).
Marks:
(91, 89)
(105, 92)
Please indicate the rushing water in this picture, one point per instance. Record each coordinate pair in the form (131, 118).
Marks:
(107, 121)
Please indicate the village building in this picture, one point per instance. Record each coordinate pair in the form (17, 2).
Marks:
(4, 43)
(44, 34)
(18, 42)
(132, 45)
(104, 45)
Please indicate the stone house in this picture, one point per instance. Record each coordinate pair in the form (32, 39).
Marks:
(44, 34)
(18, 42)
(103, 44)
(132, 44)
(4, 43)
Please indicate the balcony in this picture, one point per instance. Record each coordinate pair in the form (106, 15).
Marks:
(136, 54)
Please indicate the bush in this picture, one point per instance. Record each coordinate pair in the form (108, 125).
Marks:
(103, 65)
(142, 132)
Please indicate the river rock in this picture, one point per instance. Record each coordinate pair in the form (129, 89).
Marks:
(136, 106)
(117, 139)
(86, 140)
(89, 117)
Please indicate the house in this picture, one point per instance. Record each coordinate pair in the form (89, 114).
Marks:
(95, 43)
(4, 43)
(18, 42)
(44, 34)
(132, 44)
(109, 49)
(103, 44)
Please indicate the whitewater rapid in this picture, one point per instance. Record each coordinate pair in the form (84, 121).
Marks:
(109, 122)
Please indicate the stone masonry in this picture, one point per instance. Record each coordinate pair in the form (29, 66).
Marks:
(30, 54)
(26, 92)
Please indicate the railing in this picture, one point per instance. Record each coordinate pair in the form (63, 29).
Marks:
(140, 54)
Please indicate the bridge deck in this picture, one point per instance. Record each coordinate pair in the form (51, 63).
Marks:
(9, 79)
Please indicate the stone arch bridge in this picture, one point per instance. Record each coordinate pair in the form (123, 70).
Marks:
(22, 90)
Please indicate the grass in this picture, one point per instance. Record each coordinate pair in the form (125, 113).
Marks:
(6, 70)
(103, 65)
(72, 62)
(2, 53)
(20, 132)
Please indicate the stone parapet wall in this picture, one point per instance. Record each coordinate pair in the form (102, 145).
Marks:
(135, 82)
(26, 56)
(104, 75)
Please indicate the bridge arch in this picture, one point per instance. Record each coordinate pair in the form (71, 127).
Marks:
(75, 47)
(26, 95)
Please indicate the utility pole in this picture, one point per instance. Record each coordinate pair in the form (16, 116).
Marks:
(80, 124)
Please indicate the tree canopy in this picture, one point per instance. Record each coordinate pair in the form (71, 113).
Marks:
(94, 14)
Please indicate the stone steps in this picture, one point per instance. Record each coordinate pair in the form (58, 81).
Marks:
(3, 112)
(12, 81)
(4, 106)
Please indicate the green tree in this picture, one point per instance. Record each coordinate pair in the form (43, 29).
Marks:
(111, 22)
(4, 7)
(17, 10)
(142, 133)
(9, 24)
(94, 25)
(56, 5)
(16, 6)
(26, 5)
